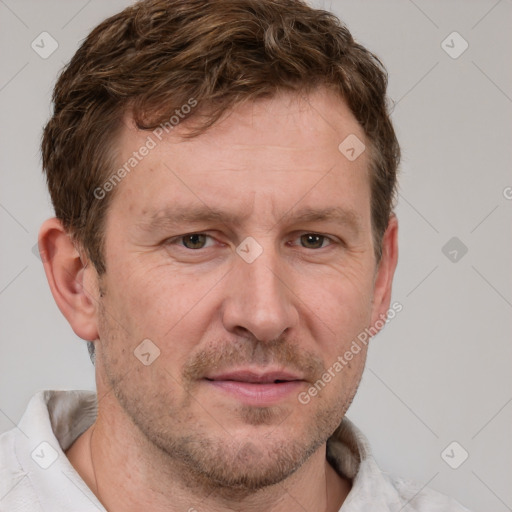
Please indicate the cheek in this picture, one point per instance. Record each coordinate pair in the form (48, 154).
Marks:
(161, 304)
(339, 302)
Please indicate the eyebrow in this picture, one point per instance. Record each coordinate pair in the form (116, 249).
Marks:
(335, 214)
(175, 216)
(172, 217)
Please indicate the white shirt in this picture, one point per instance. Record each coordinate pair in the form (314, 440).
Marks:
(35, 474)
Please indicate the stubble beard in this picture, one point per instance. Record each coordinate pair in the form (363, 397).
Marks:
(213, 462)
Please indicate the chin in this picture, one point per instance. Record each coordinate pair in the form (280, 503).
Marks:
(251, 466)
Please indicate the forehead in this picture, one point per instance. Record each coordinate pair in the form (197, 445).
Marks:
(278, 148)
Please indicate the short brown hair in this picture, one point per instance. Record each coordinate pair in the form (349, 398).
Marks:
(157, 54)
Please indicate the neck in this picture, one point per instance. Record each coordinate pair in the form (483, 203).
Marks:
(127, 474)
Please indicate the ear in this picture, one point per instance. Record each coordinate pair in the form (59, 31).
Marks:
(66, 274)
(385, 273)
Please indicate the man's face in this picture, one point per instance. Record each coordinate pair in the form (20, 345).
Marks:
(243, 326)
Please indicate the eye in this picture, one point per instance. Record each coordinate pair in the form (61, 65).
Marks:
(194, 240)
(314, 240)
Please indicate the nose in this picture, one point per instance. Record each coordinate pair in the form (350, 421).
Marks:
(260, 302)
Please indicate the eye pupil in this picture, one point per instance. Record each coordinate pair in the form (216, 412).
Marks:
(311, 239)
(195, 241)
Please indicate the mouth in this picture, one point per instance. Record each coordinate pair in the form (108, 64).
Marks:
(252, 377)
(257, 388)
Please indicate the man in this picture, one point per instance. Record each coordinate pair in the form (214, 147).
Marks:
(223, 176)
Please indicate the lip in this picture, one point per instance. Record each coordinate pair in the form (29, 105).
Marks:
(256, 377)
(257, 388)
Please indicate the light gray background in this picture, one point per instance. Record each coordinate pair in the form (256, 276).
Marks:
(440, 371)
